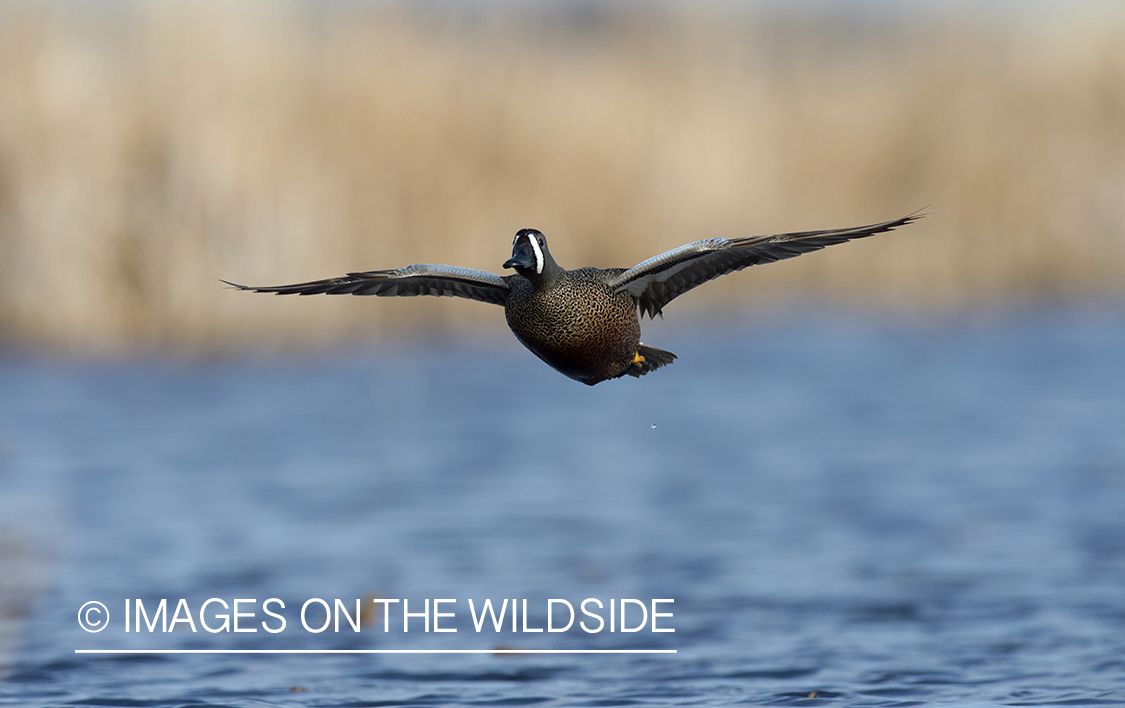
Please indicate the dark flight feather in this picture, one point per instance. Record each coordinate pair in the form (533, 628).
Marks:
(657, 281)
(419, 279)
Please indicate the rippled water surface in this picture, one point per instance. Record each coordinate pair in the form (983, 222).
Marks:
(882, 514)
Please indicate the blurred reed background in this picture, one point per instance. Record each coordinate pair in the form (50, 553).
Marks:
(148, 149)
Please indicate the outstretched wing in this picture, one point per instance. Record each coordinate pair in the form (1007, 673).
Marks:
(655, 282)
(419, 279)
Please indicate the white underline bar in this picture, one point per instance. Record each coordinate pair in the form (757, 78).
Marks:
(374, 651)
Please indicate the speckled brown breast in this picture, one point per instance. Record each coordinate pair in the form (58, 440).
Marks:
(576, 324)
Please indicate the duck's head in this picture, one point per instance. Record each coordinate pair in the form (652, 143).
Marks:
(530, 256)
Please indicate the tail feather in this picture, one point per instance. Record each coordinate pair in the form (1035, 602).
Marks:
(653, 359)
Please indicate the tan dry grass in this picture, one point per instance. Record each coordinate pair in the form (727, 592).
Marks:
(149, 150)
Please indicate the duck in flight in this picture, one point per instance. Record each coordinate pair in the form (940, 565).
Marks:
(585, 323)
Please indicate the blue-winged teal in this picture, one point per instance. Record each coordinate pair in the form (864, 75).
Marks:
(585, 323)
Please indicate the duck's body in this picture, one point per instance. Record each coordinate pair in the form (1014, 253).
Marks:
(585, 323)
(578, 325)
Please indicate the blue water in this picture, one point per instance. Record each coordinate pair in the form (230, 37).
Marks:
(884, 513)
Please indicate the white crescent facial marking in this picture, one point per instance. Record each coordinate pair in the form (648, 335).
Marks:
(538, 253)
